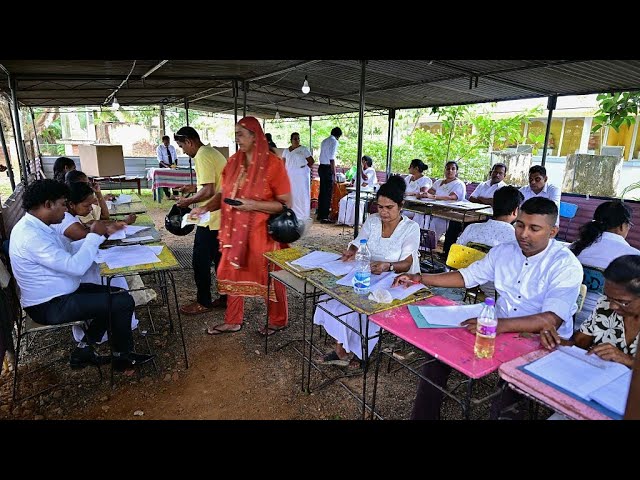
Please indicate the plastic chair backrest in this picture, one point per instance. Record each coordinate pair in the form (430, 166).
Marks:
(568, 210)
(428, 239)
(479, 246)
(461, 256)
(581, 296)
(594, 279)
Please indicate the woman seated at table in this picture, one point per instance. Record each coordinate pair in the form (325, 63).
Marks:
(81, 198)
(613, 329)
(393, 240)
(416, 181)
(347, 205)
(601, 241)
(99, 210)
(449, 188)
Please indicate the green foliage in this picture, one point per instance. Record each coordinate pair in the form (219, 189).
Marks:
(616, 109)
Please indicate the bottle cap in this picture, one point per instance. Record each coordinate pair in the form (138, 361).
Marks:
(489, 301)
(363, 241)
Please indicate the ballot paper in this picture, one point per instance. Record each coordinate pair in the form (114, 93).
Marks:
(338, 267)
(202, 220)
(144, 238)
(128, 231)
(314, 260)
(450, 316)
(126, 256)
(122, 198)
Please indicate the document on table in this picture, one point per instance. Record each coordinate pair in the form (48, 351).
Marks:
(119, 257)
(375, 279)
(314, 260)
(450, 316)
(576, 372)
(399, 292)
(157, 249)
(201, 220)
(127, 231)
(122, 198)
(338, 267)
(144, 238)
(614, 395)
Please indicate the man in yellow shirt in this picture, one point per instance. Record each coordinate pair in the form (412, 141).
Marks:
(209, 164)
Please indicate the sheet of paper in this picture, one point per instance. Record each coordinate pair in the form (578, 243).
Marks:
(202, 219)
(451, 316)
(399, 292)
(123, 198)
(573, 374)
(126, 256)
(144, 238)
(421, 322)
(119, 235)
(375, 279)
(315, 259)
(156, 249)
(133, 229)
(338, 267)
(109, 204)
(614, 394)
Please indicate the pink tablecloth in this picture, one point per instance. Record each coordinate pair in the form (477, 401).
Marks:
(453, 346)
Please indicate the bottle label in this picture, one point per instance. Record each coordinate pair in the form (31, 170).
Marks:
(487, 330)
(362, 279)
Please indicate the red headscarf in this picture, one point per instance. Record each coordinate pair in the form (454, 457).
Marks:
(245, 183)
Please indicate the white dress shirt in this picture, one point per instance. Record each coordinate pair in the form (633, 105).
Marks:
(546, 282)
(486, 190)
(328, 150)
(372, 178)
(548, 191)
(414, 186)
(42, 261)
(161, 153)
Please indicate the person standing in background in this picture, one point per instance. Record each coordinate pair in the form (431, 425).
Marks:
(209, 164)
(327, 173)
(298, 160)
(167, 157)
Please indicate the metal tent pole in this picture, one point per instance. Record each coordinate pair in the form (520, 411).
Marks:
(356, 222)
(392, 118)
(551, 105)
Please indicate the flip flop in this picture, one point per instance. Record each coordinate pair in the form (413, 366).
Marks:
(217, 331)
(271, 330)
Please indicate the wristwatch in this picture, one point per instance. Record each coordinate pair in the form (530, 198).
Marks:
(391, 267)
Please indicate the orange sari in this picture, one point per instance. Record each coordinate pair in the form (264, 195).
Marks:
(243, 235)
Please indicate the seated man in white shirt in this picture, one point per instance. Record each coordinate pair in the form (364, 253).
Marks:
(49, 278)
(498, 229)
(539, 186)
(485, 190)
(538, 281)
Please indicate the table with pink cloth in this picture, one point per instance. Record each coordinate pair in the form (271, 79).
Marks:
(453, 346)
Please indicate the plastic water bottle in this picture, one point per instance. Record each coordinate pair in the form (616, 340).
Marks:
(362, 277)
(486, 330)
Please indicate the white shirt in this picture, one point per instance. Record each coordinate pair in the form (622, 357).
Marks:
(372, 179)
(328, 150)
(161, 153)
(296, 158)
(42, 261)
(546, 282)
(67, 221)
(548, 191)
(414, 186)
(404, 241)
(457, 186)
(491, 233)
(485, 189)
(605, 250)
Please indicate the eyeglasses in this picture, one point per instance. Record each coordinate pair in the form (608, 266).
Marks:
(622, 304)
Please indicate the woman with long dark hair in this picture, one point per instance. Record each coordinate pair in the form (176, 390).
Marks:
(601, 241)
(61, 166)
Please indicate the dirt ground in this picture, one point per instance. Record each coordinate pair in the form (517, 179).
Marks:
(229, 376)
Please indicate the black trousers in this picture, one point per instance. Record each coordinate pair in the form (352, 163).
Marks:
(451, 235)
(167, 192)
(205, 249)
(90, 301)
(326, 191)
(429, 398)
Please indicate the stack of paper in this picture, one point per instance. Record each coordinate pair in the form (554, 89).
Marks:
(119, 257)
(585, 376)
(444, 317)
(200, 220)
(314, 260)
(338, 267)
(127, 231)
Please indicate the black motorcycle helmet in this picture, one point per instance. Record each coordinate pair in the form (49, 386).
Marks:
(284, 227)
(173, 221)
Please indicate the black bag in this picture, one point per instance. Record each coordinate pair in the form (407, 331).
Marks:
(173, 221)
(284, 226)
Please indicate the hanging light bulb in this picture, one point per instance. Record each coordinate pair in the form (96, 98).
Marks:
(277, 115)
(305, 86)
(115, 105)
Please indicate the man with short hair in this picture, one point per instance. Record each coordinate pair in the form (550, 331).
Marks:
(539, 187)
(327, 173)
(167, 157)
(209, 164)
(485, 190)
(49, 274)
(537, 279)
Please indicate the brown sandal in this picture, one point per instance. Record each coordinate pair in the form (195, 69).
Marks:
(194, 309)
(216, 330)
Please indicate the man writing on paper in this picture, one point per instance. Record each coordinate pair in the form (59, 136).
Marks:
(537, 279)
(209, 164)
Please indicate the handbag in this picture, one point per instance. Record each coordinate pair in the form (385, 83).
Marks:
(284, 227)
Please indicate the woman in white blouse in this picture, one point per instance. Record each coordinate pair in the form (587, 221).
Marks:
(393, 240)
(298, 160)
(347, 205)
(79, 204)
(416, 181)
(601, 241)
(449, 188)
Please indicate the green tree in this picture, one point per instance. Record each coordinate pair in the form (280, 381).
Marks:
(616, 109)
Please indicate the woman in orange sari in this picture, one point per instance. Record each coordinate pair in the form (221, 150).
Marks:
(257, 178)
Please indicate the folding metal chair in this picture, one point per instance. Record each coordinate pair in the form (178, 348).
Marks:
(567, 210)
(428, 242)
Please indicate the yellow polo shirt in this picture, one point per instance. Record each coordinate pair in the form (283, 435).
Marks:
(209, 164)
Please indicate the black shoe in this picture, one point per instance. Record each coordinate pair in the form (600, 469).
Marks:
(326, 220)
(130, 360)
(82, 357)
